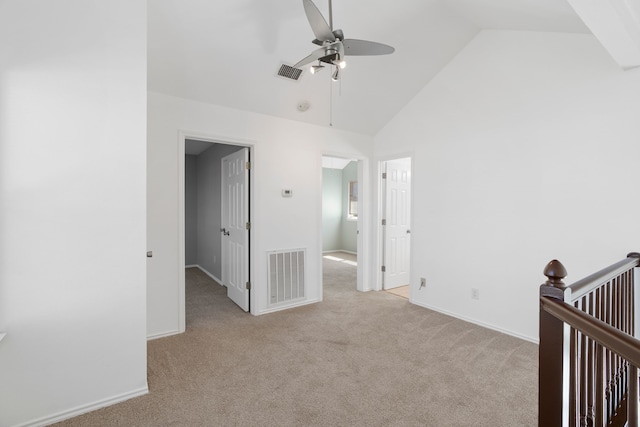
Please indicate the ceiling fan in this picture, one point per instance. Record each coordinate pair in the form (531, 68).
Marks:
(334, 47)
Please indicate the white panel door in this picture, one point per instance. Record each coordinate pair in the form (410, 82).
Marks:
(397, 240)
(235, 232)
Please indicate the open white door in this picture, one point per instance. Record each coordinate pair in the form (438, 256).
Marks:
(397, 241)
(235, 227)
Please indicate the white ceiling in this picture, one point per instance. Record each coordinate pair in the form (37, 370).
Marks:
(228, 52)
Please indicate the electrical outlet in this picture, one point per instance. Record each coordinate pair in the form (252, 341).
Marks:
(423, 282)
(475, 293)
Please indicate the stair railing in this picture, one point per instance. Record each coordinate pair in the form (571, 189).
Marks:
(588, 356)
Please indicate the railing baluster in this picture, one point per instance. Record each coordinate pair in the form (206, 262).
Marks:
(632, 281)
(609, 357)
(625, 302)
(591, 368)
(600, 402)
(600, 407)
(632, 397)
(573, 379)
(614, 357)
(582, 363)
(625, 325)
(621, 365)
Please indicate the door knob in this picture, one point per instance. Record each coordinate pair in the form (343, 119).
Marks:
(408, 231)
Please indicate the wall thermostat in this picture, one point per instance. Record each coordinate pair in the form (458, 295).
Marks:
(287, 193)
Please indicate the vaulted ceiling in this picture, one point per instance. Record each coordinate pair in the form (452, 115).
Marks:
(228, 52)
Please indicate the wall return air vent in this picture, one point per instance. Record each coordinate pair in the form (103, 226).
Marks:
(286, 274)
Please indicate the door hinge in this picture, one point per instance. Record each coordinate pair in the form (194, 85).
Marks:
(384, 222)
(384, 175)
(384, 269)
(249, 285)
(248, 165)
(248, 226)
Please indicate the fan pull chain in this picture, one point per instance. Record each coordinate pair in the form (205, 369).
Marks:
(331, 98)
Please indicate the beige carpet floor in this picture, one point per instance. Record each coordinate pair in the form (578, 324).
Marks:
(356, 359)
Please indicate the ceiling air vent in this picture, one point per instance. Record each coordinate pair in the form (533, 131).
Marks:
(289, 72)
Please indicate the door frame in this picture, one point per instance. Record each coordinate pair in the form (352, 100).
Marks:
(364, 220)
(183, 135)
(379, 215)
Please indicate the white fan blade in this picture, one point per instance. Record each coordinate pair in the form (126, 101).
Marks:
(318, 24)
(363, 47)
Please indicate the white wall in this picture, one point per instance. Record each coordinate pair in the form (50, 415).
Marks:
(286, 154)
(72, 194)
(526, 149)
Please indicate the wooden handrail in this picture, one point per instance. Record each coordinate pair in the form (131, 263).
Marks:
(588, 356)
(586, 285)
(609, 337)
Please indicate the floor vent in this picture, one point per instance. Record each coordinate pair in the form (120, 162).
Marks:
(286, 275)
(289, 72)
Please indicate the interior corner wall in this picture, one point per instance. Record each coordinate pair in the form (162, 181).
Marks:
(331, 209)
(285, 155)
(349, 234)
(209, 182)
(191, 210)
(525, 150)
(72, 194)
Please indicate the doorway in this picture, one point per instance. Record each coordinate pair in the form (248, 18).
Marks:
(395, 207)
(209, 231)
(341, 211)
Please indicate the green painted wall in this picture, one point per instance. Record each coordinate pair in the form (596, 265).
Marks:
(338, 233)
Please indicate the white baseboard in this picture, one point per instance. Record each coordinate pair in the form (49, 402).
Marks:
(288, 306)
(476, 322)
(162, 335)
(83, 409)
(209, 274)
(339, 250)
(191, 266)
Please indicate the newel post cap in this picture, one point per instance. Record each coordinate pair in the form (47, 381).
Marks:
(633, 255)
(555, 272)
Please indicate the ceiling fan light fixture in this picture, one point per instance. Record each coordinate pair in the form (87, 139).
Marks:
(341, 63)
(315, 68)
